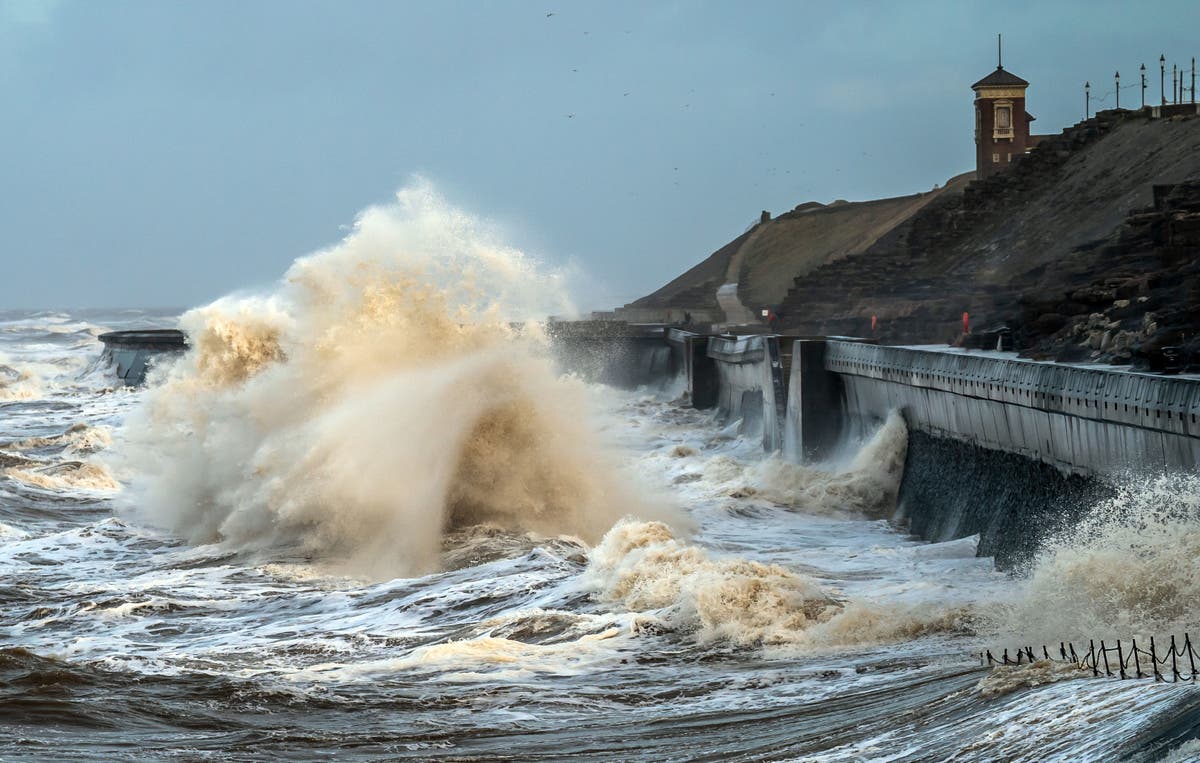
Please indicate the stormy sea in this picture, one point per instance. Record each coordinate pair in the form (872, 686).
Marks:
(366, 516)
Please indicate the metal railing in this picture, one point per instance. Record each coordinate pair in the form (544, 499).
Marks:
(1128, 660)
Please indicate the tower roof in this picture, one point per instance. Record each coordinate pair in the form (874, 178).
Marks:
(1000, 78)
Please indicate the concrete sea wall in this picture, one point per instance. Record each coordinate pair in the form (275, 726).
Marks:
(1011, 449)
(1092, 421)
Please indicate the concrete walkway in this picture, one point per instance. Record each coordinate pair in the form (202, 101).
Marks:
(737, 314)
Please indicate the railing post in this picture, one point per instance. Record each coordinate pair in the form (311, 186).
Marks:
(1120, 659)
(1104, 651)
(1154, 659)
(1136, 663)
(1174, 659)
(1092, 654)
(1187, 644)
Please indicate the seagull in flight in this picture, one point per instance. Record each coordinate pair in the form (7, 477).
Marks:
(551, 13)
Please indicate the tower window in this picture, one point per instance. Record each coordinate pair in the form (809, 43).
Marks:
(1003, 117)
(1002, 124)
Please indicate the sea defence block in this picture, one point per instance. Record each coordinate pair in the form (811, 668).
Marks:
(690, 362)
(130, 354)
(751, 384)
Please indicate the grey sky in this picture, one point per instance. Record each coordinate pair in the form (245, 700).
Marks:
(163, 153)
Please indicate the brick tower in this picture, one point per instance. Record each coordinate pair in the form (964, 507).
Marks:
(1001, 122)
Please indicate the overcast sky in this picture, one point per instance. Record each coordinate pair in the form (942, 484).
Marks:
(163, 153)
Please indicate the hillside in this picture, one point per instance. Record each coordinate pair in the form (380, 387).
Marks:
(796, 243)
(764, 260)
(1021, 244)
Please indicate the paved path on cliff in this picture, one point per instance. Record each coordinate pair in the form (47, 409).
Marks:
(737, 314)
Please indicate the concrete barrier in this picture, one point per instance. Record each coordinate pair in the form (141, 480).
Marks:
(130, 354)
(751, 385)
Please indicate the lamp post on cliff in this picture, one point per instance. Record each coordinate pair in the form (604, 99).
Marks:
(1118, 78)
(1162, 78)
(1087, 100)
(1193, 79)
(1174, 92)
(1143, 86)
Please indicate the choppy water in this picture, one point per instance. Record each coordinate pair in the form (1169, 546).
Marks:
(119, 640)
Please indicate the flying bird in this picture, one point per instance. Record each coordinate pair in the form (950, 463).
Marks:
(551, 13)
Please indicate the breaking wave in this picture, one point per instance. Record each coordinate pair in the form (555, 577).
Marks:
(378, 398)
(643, 567)
(1130, 568)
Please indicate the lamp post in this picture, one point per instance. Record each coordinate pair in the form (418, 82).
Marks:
(1162, 78)
(1193, 79)
(1087, 100)
(1143, 86)
(1117, 76)
(1174, 92)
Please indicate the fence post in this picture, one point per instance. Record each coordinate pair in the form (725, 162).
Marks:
(1120, 659)
(1136, 663)
(1104, 651)
(1187, 643)
(1074, 656)
(1092, 654)
(1174, 659)
(1154, 659)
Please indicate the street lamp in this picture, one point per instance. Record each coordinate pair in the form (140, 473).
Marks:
(1118, 78)
(1143, 86)
(1162, 78)
(1087, 100)
(1174, 92)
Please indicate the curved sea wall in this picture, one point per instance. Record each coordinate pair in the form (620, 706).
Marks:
(1007, 448)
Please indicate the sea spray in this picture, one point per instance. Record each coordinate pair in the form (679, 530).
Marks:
(1130, 568)
(867, 485)
(376, 399)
